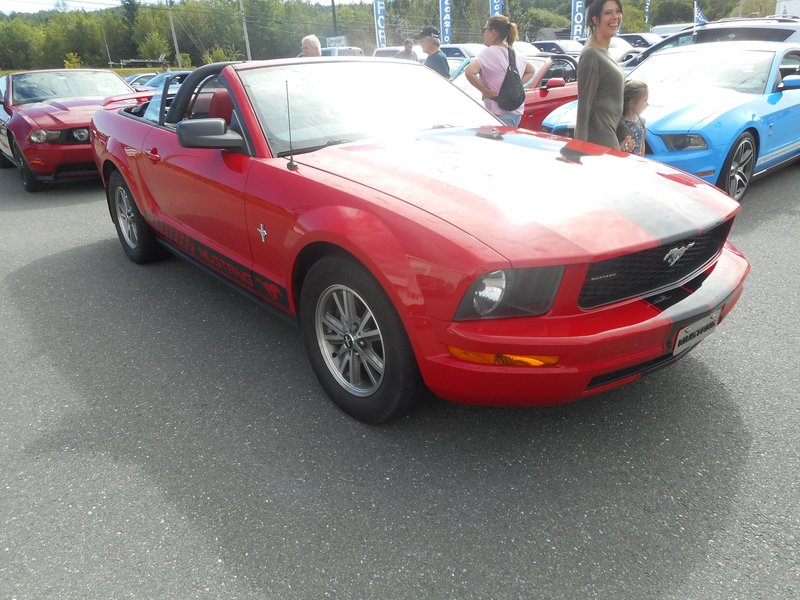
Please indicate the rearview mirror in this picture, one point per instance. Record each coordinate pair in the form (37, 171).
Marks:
(555, 82)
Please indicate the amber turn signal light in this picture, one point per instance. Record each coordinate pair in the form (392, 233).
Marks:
(508, 360)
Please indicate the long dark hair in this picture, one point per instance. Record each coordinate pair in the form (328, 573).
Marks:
(594, 9)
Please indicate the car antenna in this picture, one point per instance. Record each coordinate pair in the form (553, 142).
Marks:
(292, 166)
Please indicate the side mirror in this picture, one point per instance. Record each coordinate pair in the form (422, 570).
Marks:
(209, 133)
(555, 82)
(790, 82)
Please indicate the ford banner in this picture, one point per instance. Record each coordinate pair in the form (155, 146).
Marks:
(379, 7)
(577, 20)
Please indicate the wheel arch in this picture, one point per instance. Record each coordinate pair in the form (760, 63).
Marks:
(421, 261)
(390, 269)
(110, 162)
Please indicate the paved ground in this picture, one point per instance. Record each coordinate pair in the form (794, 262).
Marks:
(161, 437)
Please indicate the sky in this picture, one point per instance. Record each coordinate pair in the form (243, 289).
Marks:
(31, 6)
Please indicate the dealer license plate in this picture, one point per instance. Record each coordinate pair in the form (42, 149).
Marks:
(691, 335)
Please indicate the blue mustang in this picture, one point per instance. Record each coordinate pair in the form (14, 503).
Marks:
(724, 111)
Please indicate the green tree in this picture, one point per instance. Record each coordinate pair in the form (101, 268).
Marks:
(674, 11)
(218, 54)
(153, 46)
(72, 61)
(77, 32)
(22, 44)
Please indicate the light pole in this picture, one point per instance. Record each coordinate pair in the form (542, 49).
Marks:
(333, 8)
(244, 28)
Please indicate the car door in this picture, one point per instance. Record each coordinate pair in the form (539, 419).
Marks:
(275, 196)
(541, 101)
(199, 193)
(781, 113)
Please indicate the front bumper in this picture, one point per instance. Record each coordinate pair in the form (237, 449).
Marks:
(60, 162)
(598, 349)
(705, 164)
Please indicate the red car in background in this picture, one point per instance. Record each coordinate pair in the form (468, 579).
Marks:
(554, 82)
(421, 243)
(44, 122)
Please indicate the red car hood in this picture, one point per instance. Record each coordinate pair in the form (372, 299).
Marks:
(533, 198)
(61, 113)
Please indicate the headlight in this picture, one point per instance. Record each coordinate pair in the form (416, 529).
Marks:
(684, 141)
(43, 136)
(510, 293)
(80, 135)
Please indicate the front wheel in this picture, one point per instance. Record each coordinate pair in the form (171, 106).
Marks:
(738, 168)
(356, 343)
(29, 180)
(136, 237)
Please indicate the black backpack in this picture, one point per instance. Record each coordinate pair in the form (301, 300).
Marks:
(512, 94)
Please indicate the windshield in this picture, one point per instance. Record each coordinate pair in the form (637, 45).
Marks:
(48, 85)
(337, 102)
(744, 71)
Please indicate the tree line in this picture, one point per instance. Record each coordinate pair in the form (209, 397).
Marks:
(211, 30)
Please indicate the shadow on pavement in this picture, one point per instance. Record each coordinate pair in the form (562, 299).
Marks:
(212, 400)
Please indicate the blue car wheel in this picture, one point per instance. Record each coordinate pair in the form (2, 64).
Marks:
(738, 168)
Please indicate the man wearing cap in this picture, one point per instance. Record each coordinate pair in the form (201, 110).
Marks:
(408, 51)
(429, 40)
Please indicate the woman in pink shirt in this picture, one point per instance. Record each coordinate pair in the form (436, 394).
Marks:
(487, 70)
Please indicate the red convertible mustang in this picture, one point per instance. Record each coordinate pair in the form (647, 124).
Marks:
(44, 122)
(394, 218)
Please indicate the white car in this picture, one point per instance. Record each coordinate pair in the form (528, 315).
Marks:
(391, 52)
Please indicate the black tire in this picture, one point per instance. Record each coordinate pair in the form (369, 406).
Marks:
(29, 180)
(356, 342)
(4, 162)
(135, 235)
(737, 171)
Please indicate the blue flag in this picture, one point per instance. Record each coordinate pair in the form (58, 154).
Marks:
(577, 30)
(699, 16)
(446, 20)
(379, 8)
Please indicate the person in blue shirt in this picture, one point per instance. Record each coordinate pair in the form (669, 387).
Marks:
(429, 40)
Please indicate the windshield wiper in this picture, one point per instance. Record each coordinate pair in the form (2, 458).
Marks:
(330, 142)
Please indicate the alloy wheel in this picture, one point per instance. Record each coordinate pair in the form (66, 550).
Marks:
(126, 217)
(741, 168)
(350, 340)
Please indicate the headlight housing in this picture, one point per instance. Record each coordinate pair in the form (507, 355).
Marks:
(684, 141)
(79, 135)
(44, 136)
(510, 293)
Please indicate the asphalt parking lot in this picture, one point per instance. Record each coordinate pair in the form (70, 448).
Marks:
(162, 437)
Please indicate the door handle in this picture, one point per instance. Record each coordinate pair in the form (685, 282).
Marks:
(152, 155)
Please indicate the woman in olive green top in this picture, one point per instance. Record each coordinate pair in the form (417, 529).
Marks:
(601, 82)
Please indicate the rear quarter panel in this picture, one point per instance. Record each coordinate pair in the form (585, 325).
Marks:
(117, 141)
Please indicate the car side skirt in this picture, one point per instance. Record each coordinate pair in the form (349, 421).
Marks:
(255, 287)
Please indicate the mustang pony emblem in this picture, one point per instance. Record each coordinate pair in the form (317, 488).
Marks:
(675, 254)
